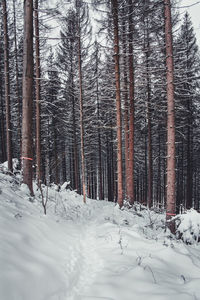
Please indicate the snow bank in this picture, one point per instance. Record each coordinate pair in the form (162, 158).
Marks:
(90, 251)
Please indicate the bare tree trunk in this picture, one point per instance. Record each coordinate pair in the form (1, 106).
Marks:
(47, 157)
(88, 182)
(182, 195)
(150, 165)
(131, 115)
(126, 109)
(145, 168)
(55, 154)
(189, 178)
(3, 138)
(17, 79)
(82, 127)
(75, 154)
(196, 199)
(103, 179)
(38, 95)
(99, 153)
(159, 190)
(7, 88)
(81, 105)
(99, 170)
(109, 171)
(171, 205)
(118, 105)
(74, 150)
(27, 151)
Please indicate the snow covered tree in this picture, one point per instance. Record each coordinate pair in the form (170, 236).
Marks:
(187, 85)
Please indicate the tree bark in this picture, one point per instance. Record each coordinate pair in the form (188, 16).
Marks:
(17, 79)
(109, 170)
(100, 183)
(74, 147)
(75, 154)
(81, 104)
(3, 138)
(118, 105)
(131, 115)
(189, 182)
(7, 88)
(171, 204)
(126, 108)
(55, 153)
(27, 151)
(159, 190)
(150, 164)
(38, 95)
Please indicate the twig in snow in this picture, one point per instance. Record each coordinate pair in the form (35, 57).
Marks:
(151, 273)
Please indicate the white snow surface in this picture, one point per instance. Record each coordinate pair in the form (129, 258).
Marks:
(88, 251)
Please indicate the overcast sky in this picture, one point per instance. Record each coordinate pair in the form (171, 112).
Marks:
(192, 6)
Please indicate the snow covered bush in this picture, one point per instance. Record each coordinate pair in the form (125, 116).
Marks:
(188, 226)
(4, 166)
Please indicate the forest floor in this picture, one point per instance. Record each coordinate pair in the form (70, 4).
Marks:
(89, 251)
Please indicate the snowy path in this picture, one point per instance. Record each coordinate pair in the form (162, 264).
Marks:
(134, 267)
(82, 263)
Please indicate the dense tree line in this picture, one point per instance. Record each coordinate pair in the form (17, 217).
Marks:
(114, 112)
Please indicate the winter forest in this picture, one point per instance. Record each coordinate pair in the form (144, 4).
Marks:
(99, 137)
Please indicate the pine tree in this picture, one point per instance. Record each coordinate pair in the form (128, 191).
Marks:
(130, 179)
(52, 123)
(18, 92)
(171, 199)
(118, 104)
(27, 146)
(2, 104)
(68, 65)
(187, 84)
(38, 94)
(7, 88)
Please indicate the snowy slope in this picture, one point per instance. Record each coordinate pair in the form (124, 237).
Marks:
(93, 251)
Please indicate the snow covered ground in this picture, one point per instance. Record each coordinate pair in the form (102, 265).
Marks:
(89, 251)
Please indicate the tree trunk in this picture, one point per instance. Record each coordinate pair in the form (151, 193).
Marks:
(55, 154)
(75, 154)
(47, 156)
(171, 205)
(100, 187)
(118, 105)
(126, 109)
(17, 80)
(64, 171)
(3, 138)
(81, 105)
(159, 190)
(38, 95)
(131, 115)
(99, 156)
(109, 170)
(27, 151)
(99, 151)
(189, 182)
(7, 88)
(74, 150)
(145, 167)
(150, 165)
